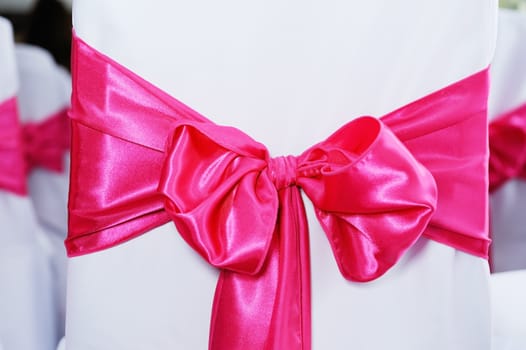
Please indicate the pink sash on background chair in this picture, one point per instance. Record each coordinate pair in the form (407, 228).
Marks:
(43, 101)
(507, 142)
(12, 165)
(32, 145)
(29, 314)
(140, 158)
(45, 142)
(25, 147)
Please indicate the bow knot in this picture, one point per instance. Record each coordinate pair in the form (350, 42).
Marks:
(283, 171)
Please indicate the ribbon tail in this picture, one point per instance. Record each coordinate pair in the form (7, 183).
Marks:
(271, 310)
(243, 304)
(291, 323)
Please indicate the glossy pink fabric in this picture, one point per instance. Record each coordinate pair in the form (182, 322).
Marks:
(140, 158)
(12, 165)
(507, 141)
(45, 142)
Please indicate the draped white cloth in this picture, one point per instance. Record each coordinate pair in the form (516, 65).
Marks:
(315, 65)
(25, 275)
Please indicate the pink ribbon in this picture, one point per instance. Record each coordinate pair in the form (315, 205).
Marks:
(140, 158)
(507, 142)
(25, 147)
(12, 165)
(45, 142)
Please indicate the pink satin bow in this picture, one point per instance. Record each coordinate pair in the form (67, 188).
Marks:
(507, 142)
(12, 165)
(243, 212)
(141, 158)
(46, 141)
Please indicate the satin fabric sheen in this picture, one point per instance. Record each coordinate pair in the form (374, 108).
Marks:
(507, 142)
(12, 165)
(140, 158)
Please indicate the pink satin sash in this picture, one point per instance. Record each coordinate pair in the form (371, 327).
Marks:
(140, 158)
(45, 142)
(12, 165)
(24, 147)
(507, 142)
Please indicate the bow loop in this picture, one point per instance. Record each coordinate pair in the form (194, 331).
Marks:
(221, 191)
(373, 198)
(215, 195)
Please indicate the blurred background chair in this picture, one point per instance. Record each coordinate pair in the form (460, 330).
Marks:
(43, 96)
(508, 185)
(508, 95)
(26, 311)
(43, 99)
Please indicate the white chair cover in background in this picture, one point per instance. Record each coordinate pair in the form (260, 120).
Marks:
(508, 203)
(509, 310)
(508, 91)
(25, 296)
(315, 65)
(45, 90)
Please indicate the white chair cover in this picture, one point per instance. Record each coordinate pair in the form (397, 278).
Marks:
(508, 91)
(25, 297)
(45, 90)
(509, 310)
(315, 65)
(508, 203)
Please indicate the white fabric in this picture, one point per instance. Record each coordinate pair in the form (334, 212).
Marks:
(9, 82)
(508, 90)
(509, 310)
(25, 299)
(308, 67)
(61, 344)
(45, 90)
